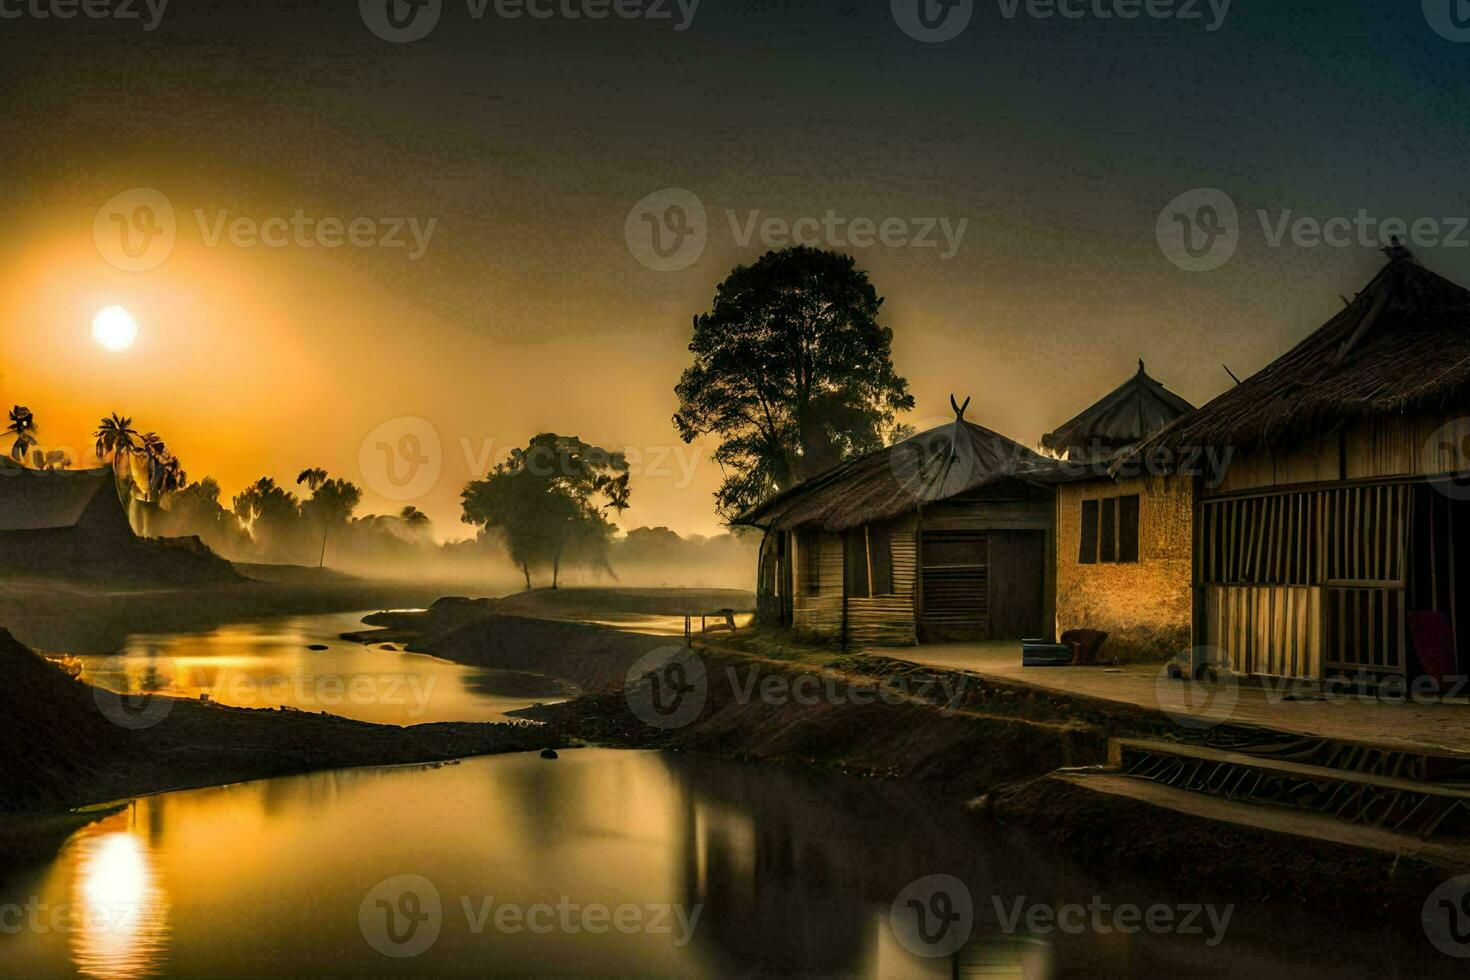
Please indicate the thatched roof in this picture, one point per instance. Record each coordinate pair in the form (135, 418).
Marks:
(931, 466)
(1402, 343)
(35, 500)
(1127, 415)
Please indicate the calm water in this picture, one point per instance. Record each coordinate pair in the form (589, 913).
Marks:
(268, 664)
(710, 869)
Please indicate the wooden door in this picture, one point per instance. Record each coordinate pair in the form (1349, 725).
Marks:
(1017, 567)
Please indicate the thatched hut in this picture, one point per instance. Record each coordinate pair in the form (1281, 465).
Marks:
(1338, 541)
(947, 535)
(1123, 541)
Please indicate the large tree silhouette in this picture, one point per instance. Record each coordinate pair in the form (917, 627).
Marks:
(792, 371)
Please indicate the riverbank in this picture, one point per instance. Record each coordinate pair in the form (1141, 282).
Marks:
(958, 738)
(68, 744)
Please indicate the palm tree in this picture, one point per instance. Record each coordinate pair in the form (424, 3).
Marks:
(314, 478)
(22, 429)
(116, 438)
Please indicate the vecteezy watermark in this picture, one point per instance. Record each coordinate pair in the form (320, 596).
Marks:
(1197, 692)
(1103, 918)
(88, 917)
(937, 21)
(402, 21)
(933, 917)
(669, 686)
(403, 917)
(140, 709)
(1450, 19)
(1201, 229)
(137, 230)
(669, 229)
(124, 10)
(402, 458)
(1446, 917)
(1447, 451)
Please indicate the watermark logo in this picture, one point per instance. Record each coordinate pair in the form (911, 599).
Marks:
(667, 687)
(135, 231)
(400, 21)
(1446, 917)
(135, 710)
(402, 458)
(91, 9)
(933, 917)
(1104, 918)
(1199, 230)
(401, 916)
(932, 21)
(668, 230)
(1449, 446)
(1198, 703)
(1450, 19)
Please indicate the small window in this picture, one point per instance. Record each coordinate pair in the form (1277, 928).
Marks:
(880, 558)
(1107, 535)
(1109, 530)
(1088, 554)
(1128, 528)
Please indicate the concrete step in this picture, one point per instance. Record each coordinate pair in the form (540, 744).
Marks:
(1276, 819)
(1396, 804)
(1347, 755)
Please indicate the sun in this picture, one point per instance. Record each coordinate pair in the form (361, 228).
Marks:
(114, 328)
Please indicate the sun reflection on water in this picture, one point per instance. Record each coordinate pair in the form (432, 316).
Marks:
(119, 927)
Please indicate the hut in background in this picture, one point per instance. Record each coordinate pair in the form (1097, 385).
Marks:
(1123, 542)
(948, 535)
(1338, 542)
(70, 525)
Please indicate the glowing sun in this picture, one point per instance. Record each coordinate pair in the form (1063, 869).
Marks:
(114, 328)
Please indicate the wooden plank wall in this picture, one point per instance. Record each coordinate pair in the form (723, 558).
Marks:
(1423, 444)
(1273, 629)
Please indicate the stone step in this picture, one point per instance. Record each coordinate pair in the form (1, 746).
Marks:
(1396, 804)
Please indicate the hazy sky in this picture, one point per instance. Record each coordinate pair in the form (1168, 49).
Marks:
(1054, 143)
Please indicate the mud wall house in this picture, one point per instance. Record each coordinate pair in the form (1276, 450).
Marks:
(1338, 542)
(1123, 541)
(948, 535)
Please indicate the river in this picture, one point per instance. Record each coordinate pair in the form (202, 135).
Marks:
(601, 862)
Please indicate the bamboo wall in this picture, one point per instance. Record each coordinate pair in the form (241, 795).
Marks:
(819, 611)
(1144, 606)
(1275, 630)
(889, 620)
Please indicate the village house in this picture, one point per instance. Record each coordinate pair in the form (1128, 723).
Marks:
(948, 535)
(1338, 541)
(1123, 540)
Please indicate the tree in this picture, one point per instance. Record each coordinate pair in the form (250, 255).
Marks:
(269, 511)
(116, 439)
(792, 371)
(22, 429)
(543, 500)
(314, 477)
